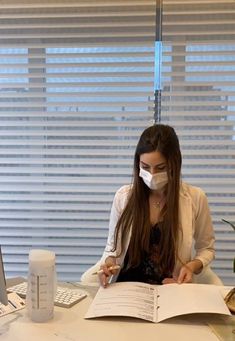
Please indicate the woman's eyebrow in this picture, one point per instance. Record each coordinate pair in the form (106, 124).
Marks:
(143, 163)
(158, 165)
(161, 164)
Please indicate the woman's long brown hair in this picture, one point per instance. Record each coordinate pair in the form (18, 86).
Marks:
(136, 215)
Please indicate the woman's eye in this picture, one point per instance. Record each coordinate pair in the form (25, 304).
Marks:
(161, 169)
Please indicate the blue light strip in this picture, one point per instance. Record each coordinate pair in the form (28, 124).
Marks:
(158, 66)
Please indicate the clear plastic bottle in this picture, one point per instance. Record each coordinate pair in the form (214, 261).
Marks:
(41, 285)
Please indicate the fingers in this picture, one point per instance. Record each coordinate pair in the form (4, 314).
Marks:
(104, 275)
(181, 278)
(107, 269)
(169, 281)
(185, 275)
(103, 278)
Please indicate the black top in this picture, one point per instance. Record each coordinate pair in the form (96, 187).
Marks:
(147, 271)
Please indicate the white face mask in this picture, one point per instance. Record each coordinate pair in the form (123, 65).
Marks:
(154, 181)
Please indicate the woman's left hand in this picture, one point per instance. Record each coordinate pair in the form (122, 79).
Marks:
(186, 272)
(185, 275)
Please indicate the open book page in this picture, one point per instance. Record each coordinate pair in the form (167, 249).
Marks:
(156, 302)
(132, 299)
(179, 299)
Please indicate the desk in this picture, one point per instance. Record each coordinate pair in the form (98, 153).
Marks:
(70, 325)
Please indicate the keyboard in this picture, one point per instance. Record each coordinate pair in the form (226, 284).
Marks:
(65, 297)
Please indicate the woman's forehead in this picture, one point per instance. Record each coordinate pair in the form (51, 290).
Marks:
(152, 158)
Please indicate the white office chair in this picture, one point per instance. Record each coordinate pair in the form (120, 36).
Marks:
(207, 276)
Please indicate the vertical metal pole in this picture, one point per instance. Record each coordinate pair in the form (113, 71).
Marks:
(158, 63)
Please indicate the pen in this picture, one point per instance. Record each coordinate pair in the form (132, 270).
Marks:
(113, 267)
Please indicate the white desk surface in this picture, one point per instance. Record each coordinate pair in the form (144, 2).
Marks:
(70, 325)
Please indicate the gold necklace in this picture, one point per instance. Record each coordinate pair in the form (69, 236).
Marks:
(157, 204)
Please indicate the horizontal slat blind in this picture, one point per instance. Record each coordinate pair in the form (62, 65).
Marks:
(76, 90)
(198, 97)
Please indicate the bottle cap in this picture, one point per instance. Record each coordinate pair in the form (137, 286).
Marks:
(45, 257)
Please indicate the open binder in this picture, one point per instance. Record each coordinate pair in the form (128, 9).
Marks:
(156, 303)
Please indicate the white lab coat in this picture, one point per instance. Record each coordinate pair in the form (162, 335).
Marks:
(195, 242)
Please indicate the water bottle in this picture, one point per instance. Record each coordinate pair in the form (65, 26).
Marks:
(41, 285)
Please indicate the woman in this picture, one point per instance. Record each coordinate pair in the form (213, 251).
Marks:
(160, 227)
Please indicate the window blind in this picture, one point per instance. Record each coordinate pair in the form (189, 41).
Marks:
(76, 91)
(198, 99)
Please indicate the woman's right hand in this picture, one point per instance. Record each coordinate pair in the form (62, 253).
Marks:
(107, 269)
